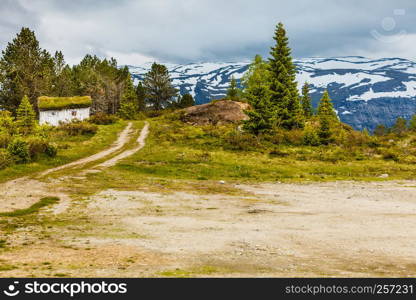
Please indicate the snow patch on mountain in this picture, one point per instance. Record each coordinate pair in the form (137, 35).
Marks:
(365, 92)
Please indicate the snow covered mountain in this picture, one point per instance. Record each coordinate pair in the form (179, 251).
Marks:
(365, 92)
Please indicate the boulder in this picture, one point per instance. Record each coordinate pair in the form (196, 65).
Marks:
(216, 112)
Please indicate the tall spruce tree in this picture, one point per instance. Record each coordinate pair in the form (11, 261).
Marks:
(141, 97)
(327, 118)
(128, 104)
(306, 101)
(283, 86)
(158, 87)
(25, 69)
(256, 92)
(233, 91)
(25, 117)
(62, 83)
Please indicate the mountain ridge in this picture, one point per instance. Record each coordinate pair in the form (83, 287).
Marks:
(365, 92)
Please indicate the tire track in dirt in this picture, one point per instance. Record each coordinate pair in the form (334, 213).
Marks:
(23, 192)
(141, 140)
(117, 145)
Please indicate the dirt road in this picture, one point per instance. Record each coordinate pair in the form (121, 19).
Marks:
(23, 192)
(123, 138)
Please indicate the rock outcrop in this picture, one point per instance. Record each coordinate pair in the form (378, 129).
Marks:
(216, 112)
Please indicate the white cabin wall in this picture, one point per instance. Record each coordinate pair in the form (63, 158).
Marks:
(53, 117)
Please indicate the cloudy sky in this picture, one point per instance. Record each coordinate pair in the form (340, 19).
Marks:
(181, 31)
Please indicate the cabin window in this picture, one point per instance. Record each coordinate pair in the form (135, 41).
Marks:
(74, 113)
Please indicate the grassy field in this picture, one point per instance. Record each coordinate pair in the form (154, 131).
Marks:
(178, 151)
(70, 148)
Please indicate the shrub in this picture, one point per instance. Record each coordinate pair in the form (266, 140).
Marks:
(7, 123)
(101, 118)
(128, 110)
(6, 159)
(43, 130)
(241, 141)
(78, 128)
(39, 145)
(51, 150)
(19, 148)
(390, 155)
(356, 138)
(311, 138)
(294, 137)
(4, 139)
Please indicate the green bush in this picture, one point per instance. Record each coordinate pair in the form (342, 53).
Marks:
(51, 150)
(311, 138)
(128, 110)
(390, 155)
(6, 159)
(78, 128)
(7, 123)
(4, 139)
(101, 118)
(242, 141)
(37, 145)
(19, 148)
(43, 130)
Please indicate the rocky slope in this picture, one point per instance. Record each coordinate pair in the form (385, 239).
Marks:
(365, 92)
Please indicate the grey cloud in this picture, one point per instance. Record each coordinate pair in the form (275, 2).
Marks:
(209, 30)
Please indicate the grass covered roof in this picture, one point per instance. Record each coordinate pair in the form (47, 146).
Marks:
(56, 103)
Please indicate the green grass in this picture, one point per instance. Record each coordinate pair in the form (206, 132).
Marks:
(32, 209)
(180, 151)
(70, 148)
(51, 103)
(7, 267)
(197, 271)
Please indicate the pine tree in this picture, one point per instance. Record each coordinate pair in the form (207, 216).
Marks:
(128, 104)
(325, 107)
(233, 91)
(62, 84)
(283, 86)
(306, 101)
(327, 118)
(412, 123)
(158, 87)
(25, 69)
(256, 91)
(25, 116)
(400, 127)
(186, 101)
(141, 97)
(380, 130)
(103, 80)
